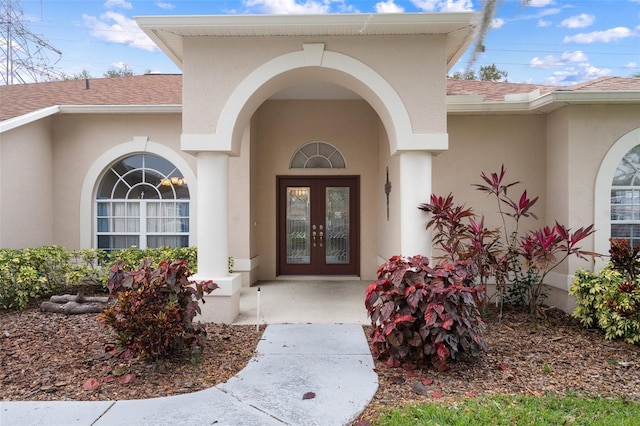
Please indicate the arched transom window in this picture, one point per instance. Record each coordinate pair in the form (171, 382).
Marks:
(143, 201)
(625, 198)
(317, 155)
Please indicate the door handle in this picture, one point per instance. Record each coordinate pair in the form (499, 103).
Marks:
(313, 235)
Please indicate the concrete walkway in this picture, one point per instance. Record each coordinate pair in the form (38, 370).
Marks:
(304, 302)
(332, 361)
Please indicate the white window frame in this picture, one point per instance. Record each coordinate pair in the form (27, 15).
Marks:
(139, 144)
(602, 196)
(141, 232)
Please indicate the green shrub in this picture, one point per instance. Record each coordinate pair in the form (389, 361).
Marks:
(424, 314)
(154, 312)
(88, 267)
(30, 273)
(610, 298)
(132, 257)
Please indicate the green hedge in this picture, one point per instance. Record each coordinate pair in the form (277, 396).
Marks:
(32, 273)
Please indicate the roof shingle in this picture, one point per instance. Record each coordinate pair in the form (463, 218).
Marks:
(166, 89)
(149, 89)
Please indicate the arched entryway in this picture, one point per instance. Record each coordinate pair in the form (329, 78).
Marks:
(235, 118)
(249, 121)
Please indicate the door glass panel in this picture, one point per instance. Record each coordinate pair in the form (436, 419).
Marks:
(298, 225)
(337, 225)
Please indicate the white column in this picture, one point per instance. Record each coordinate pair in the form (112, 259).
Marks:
(213, 222)
(415, 188)
(223, 304)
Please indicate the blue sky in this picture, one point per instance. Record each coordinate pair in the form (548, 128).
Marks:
(545, 42)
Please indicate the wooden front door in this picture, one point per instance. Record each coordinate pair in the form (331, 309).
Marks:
(318, 225)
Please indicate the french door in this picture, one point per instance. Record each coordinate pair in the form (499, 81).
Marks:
(318, 225)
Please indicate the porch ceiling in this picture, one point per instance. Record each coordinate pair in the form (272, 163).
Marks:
(168, 31)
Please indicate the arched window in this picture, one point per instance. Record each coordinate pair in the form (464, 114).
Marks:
(317, 155)
(143, 201)
(625, 198)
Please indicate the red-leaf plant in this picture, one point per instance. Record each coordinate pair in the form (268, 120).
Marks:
(518, 263)
(154, 312)
(423, 314)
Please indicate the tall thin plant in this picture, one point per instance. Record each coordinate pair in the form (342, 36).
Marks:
(518, 262)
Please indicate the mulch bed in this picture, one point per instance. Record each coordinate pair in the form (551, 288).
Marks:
(45, 357)
(527, 356)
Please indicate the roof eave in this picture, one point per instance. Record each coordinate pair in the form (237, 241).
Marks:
(544, 104)
(556, 100)
(121, 109)
(30, 117)
(167, 32)
(256, 25)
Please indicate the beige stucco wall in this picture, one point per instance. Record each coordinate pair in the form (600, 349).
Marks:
(240, 214)
(26, 185)
(207, 82)
(556, 156)
(591, 132)
(483, 144)
(220, 75)
(388, 228)
(79, 140)
(285, 126)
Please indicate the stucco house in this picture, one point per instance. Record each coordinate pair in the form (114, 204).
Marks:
(301, 146)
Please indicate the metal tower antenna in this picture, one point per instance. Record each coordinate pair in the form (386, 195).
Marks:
(24, 56)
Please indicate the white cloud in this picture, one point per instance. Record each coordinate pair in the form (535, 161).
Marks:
(165, 6)
(290, 7)
(606, 36)
(632, 64)
(574, 75)
(577, 56)
(540, 3)
(112, 4)
(497, 23)
(579, 21)
(551, 61)
(589, 72)
(538, 15)
(388, 7)
(443, 5)
(117, 28)
(548, 61)
(570, 68)
(426, 5)
(119, 65)
(456, 6)
(543, 23)
(345, 8)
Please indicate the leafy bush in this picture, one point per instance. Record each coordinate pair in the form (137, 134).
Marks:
(88, 267)
(19, 281)
(519, 262)
(610, 298)
(132, 257)
(31, 273)
(424, 314)
(154, 312)
(624, 258)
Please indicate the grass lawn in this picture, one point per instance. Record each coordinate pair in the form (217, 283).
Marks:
(517, 410)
